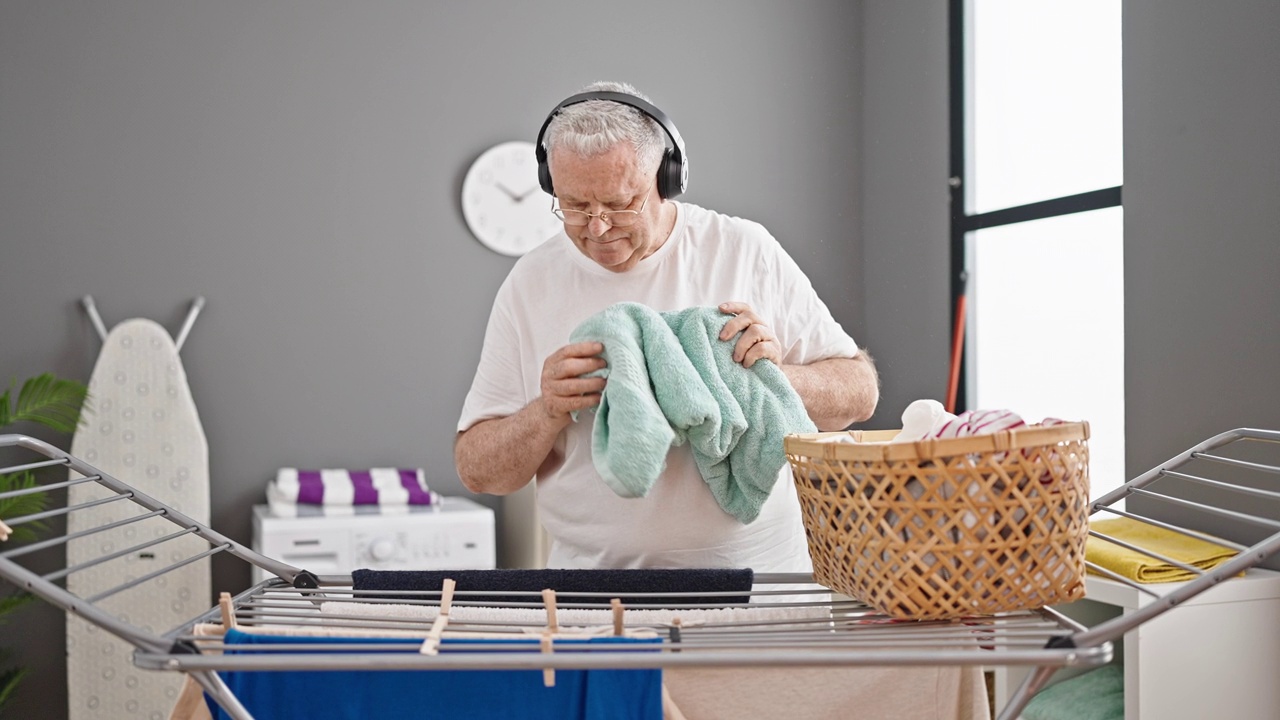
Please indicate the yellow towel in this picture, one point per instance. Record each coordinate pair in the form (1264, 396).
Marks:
(1143, 568)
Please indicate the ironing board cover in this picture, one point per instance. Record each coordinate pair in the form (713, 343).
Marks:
(142, 425)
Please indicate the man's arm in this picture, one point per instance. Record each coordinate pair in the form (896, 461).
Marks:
(837, 392)
(501, 455)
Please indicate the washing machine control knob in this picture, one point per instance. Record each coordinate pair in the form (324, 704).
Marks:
(382, 549)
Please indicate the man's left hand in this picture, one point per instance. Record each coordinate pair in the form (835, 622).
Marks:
(757, 340)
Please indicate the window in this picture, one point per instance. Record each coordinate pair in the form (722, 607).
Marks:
(1037, 221)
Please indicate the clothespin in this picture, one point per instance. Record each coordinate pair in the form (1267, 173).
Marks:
(675, 632)
(617, 616)
(549, 599)
(548, 674)
(431, 646)
(228, 612)
(5, 531)
(446, 595)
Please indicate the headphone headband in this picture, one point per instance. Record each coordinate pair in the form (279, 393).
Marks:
(673, 172)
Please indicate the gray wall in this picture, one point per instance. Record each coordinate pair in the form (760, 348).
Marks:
(1202, 235)
(299, 164)
(1202, 222)
(905, 206)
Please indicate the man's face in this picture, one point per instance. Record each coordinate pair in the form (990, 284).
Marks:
(608, 182)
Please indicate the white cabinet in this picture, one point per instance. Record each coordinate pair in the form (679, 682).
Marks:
(1216, 656)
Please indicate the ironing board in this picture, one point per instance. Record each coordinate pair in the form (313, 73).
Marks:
(143, 425)
(1238, 464)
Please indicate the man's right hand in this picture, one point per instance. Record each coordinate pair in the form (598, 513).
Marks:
(564, 390)
(501, 455)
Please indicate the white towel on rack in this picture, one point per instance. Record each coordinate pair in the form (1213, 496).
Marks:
(571, 617)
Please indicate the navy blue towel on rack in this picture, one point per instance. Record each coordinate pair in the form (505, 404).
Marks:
(623, 584)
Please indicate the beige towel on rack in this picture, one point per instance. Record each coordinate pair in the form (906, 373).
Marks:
(829, 693)
(190, 704)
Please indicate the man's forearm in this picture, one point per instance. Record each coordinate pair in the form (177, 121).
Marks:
(836, 392)
(502, 455)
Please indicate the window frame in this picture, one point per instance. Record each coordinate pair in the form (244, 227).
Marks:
(960, 122)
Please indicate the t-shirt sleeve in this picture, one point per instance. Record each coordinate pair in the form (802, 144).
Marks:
(497, 389)
(802, 320)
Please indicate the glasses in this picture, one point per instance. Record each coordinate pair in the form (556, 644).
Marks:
(612, 218)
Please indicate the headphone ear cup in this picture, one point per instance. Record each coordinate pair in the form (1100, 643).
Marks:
(670, 176)
(544, 177)
(664, 176)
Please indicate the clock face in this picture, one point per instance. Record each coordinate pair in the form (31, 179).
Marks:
(503, 204)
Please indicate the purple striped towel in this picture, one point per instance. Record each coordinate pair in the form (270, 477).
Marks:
(384, 487)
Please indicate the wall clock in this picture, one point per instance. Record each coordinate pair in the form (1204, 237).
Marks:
(502, 203)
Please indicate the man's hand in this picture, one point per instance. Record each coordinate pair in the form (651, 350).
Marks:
(501, 455)
(563, 389)
(757, 342)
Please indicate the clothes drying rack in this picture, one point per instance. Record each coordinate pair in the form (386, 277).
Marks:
(1207, 480)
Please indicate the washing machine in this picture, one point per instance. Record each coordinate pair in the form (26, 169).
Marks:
(456, 534)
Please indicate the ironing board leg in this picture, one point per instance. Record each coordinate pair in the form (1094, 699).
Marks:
(221, 694)
(1026, 690)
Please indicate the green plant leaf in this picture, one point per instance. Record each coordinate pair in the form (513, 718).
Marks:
(9, 679)
(46, 399)
(22, 505)
(9, 603)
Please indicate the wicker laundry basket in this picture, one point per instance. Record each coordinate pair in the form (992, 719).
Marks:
(947, 528)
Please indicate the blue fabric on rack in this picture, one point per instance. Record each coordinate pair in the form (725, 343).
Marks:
(671, 380)
(452, 694)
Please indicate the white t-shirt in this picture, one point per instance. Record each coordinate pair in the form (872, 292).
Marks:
(709, 259)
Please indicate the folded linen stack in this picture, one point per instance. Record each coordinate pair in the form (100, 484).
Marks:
(341, 492)
(1142, 567)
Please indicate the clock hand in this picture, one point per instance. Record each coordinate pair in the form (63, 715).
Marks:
(510, 193)
(526, 193)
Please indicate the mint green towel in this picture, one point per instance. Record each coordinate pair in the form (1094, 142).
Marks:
(672, 380)
(1095, 695)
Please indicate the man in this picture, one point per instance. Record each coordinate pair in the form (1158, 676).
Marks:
(613, 178)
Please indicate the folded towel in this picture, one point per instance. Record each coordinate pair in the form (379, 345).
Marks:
(672, 380)
(619, 583)
(1094, 695)
(386, 487)
(1144, 568)
(285, 509)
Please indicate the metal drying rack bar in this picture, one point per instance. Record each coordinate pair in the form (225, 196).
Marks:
(785, 624)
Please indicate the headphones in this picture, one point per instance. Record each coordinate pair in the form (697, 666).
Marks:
(673, 171)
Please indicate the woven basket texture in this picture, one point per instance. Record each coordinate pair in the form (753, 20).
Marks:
(943, 529)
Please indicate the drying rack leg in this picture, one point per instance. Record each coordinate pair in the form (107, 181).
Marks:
(1026, 690)
(221, 694)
